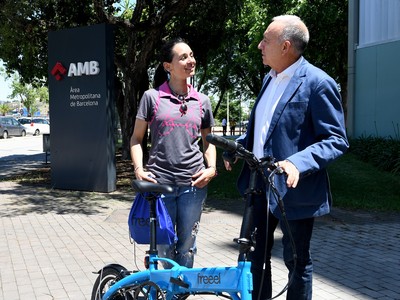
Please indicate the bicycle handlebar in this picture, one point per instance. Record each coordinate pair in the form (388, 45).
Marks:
(236, 149)
(230, 146)
(227, 145)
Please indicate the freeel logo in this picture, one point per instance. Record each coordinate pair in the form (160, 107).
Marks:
(208, 279)
(137, 221)
(58, 71)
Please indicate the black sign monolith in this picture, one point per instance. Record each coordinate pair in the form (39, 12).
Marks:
(81, 77)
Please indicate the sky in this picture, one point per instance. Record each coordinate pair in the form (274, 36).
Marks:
(5, 89)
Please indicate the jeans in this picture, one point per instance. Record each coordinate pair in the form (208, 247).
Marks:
(301, 286)
(185, 206)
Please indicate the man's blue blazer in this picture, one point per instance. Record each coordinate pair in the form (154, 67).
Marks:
(308, 129)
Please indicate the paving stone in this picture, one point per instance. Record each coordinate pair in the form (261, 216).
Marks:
(52, 241)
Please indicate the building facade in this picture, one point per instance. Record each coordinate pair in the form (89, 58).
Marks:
(374, 68)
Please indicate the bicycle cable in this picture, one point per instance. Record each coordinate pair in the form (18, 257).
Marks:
(132, 241)
(272, 190)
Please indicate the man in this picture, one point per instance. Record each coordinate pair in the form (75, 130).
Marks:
(233, 126)
(298, 119)
(224, 124)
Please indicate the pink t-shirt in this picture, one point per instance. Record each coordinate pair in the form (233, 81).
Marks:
(175, 154)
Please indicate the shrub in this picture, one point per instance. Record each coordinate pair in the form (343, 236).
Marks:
(380, 152)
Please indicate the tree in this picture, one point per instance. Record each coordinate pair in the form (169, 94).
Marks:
(4, 109)
(236, 66)
(139, 30)
(328, 38)
(224, 35)
(28, 95)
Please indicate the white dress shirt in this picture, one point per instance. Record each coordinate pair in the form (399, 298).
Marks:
(267, 104)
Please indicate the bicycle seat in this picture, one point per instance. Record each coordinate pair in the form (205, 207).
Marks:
(142, 186)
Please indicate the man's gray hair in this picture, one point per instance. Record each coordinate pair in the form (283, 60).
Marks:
(294, 31)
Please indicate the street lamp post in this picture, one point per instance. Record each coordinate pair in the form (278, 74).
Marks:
(227, 109)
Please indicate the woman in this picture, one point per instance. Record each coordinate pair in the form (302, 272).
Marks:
(176, 113)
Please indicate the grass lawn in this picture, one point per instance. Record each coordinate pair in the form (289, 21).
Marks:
(359, 185)
(355, 185)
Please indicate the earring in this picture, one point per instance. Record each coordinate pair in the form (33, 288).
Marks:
(168, 74)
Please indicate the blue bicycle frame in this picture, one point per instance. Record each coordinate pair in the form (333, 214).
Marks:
(181, 280)
(236, 281)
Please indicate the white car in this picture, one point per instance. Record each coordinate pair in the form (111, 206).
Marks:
(35, 126)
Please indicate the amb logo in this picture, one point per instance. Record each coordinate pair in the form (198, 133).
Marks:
(76, 69)
(58, 71)
(210, 279)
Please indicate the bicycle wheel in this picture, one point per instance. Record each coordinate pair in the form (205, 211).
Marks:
(149, 291)
(108, 276)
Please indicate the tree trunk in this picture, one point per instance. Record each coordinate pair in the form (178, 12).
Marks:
(126, 116)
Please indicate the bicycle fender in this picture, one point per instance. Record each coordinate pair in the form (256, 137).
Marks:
(116, 267)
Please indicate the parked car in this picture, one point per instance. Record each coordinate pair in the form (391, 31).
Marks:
(35, 126)
(9, 126)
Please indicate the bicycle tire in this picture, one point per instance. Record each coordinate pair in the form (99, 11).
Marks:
(107, 277)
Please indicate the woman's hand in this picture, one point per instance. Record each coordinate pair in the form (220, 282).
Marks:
(203, 177)
(141, 174)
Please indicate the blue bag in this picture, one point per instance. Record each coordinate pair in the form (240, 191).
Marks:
(139, 221)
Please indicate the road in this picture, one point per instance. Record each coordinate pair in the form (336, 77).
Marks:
(26, 145)
(18, 154)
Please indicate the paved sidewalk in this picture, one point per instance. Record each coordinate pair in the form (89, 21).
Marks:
(52, 241)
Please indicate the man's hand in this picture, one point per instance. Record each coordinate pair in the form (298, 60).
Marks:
(290, 169)
(227, 165)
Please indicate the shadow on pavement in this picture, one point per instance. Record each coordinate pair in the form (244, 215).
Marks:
(22, 199)
(41, 198)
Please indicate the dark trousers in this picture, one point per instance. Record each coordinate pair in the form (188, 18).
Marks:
(301, 286)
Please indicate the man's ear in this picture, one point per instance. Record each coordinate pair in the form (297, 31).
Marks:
(286, 46)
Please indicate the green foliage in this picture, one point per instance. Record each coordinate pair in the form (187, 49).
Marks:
(24, 29)
(224, 35)
(328, 28)
(236, 66)
(29, 95)
(380, 152)
(236, 111)
(224, 185)
(4, 109)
